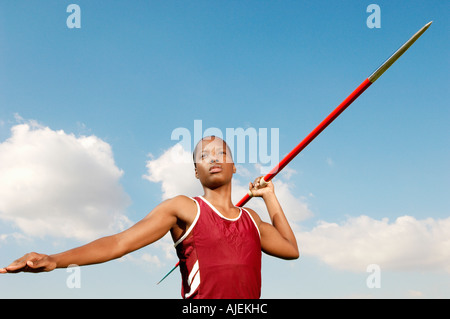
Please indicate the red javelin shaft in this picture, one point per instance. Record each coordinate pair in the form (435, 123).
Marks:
(338, 110)
(311, 136)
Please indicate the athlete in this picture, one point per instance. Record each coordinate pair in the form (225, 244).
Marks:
(218, 244)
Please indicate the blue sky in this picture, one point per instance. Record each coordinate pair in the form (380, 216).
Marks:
(89, 112)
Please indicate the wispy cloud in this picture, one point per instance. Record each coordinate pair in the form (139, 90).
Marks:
(144, 259)
(330, 162)
(404, 244)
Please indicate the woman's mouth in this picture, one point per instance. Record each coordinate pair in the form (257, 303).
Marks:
(215, 168)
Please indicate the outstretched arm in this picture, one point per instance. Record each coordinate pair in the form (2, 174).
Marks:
(277, 238)
(153, 227)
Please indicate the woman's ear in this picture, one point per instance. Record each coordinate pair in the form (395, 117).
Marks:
(196, 173)
(234, 169)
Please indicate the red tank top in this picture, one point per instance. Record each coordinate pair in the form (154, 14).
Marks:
(220, 258)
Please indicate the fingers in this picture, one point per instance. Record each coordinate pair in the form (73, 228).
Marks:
(250, 193)
(262, 182)
(259, 187)
(38, 265)
(15, 266)
(31, 262)
(259, 183)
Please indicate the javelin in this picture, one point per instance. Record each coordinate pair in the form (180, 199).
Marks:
(174, 267)
(332, 116)
(339, 109)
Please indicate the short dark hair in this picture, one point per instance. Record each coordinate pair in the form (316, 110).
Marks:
(210, 137)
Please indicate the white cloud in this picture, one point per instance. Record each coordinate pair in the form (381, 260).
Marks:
(404, 244)
(174, 169)
(151, 259)
(143, 259)
(57, 184)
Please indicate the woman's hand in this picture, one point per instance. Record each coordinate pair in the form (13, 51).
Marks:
(32, 262)
(261, 188)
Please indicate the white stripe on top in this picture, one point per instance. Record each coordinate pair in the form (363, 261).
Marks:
(192, 225)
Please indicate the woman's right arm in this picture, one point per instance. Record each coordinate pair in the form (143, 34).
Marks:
(150, 229)
(98, 251)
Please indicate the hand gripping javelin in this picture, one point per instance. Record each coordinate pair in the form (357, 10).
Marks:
(332, 116)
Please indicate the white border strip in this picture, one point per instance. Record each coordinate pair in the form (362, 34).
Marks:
(193, 280)
(192, 226)
(254, 223)
(219, 213)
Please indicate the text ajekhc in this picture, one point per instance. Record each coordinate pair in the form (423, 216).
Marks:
(231, 309)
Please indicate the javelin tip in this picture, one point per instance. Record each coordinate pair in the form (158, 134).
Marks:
(378, 72)
(426, 26)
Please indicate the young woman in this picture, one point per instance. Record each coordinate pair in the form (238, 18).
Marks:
(219, 245)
